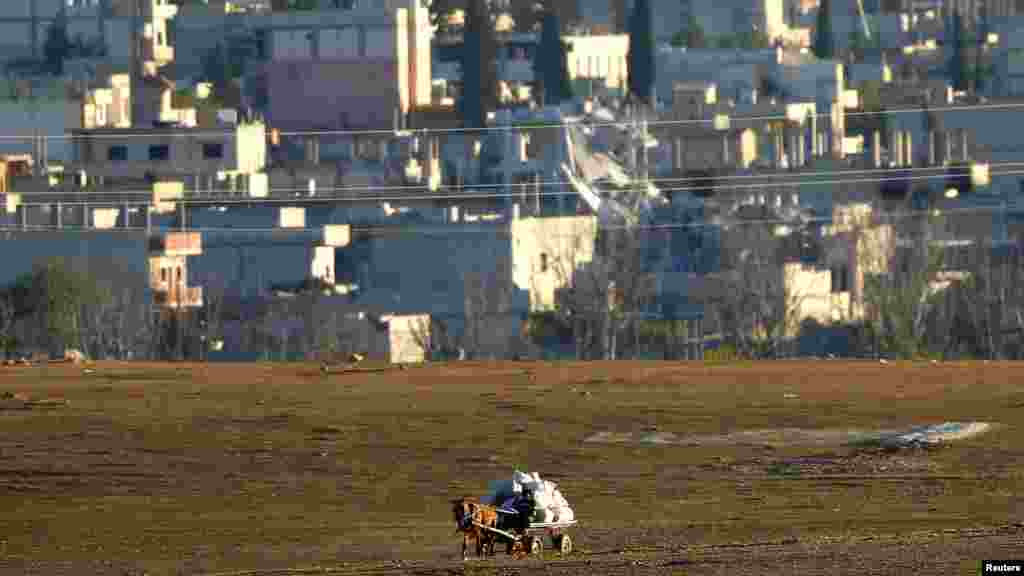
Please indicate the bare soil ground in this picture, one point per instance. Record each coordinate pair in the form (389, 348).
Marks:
(280, 469)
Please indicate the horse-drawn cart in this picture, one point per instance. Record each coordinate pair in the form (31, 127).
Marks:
(511, 532)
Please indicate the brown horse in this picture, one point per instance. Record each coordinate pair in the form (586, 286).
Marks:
(468, 514)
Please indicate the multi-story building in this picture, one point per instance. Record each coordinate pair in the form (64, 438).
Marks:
(598, 60)
(360, 69)
(196, 156)
(1004, 8)
(1008, 63)
(168, 270)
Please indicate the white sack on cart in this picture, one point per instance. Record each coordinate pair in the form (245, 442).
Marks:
(564, 514)
(559, 500)
(543, 515)
(542, 499)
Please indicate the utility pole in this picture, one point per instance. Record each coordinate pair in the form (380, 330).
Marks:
(37, 161)
(136, 69)
(507, 156)
(34, 33)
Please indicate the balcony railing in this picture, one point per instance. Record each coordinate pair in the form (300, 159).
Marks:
(180, 297)
(177, 244)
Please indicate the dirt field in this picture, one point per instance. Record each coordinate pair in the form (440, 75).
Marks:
(279, 469)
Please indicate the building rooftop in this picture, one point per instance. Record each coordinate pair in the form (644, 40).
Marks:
(159, 128)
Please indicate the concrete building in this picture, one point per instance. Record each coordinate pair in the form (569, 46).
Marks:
(827, 287)
(599, 58)
(25, 23)
(530, 257)
(595, 62)
(360, 69)
(24, 250)
(479, 278)
(198, 157)
(1008, 63)
(704, 148)
(997, 9)
(708, 65)
(108, 106)
(168, 270)
(716, 17)
(730, 17)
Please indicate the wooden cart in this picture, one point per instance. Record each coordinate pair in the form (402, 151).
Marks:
(532, 538)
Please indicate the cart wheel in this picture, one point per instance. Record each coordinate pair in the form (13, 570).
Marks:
(563, 543)
(536, 545)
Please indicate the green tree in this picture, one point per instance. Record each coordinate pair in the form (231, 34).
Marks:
(641, 53)
(286, 5)
(216, 68)
(753, 40)
(478, 66)
(692, 37)
(441, 9)
(550, 63)
(979, 66)
(56, 47)
(874, 117)
(958, 60)
(7, 315)
(56, 295)
(529, 14)
(823, 45)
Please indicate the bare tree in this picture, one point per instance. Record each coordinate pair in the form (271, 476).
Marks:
(557, 275)
(754, 308)
(607, 296)
(898, 302)
(214, 305)
(991, 298)
(421, 335)
(119, 321)
(7, 312)
(487, 312)
(982, 297)
(271, 332)
(435, 338)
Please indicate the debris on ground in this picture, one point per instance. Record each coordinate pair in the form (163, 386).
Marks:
(933, 435)
(22, 401)
(73, 356)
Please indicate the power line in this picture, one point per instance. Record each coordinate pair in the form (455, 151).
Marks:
(221, 201)
(198, 133)
(770, 179)
(485, 226)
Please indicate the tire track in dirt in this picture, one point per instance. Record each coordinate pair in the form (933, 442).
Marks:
(865, 554)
